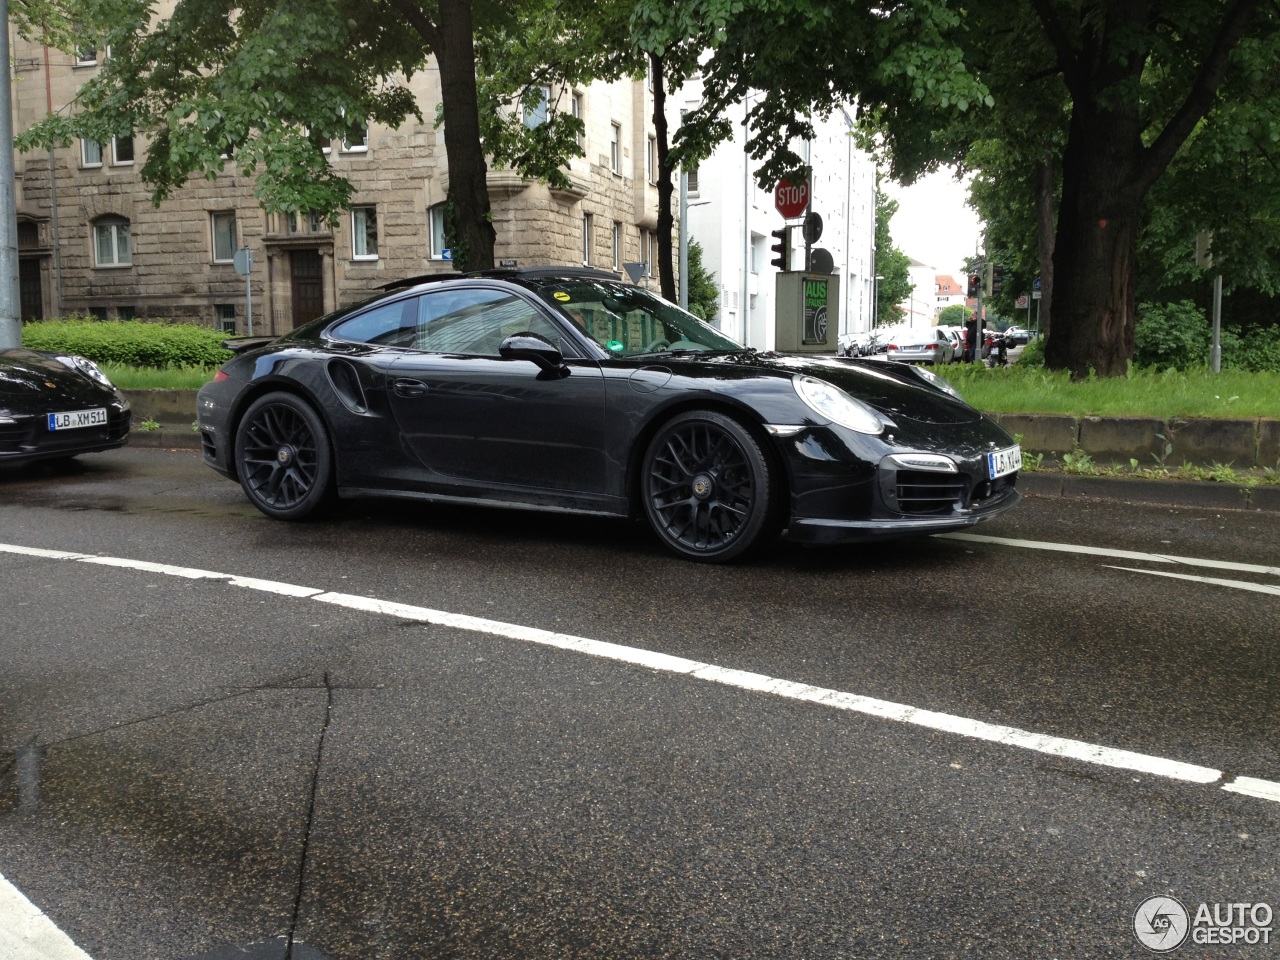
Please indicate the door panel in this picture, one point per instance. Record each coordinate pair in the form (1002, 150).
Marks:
(478, 419)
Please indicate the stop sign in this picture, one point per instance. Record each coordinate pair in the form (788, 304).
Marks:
(790, 199)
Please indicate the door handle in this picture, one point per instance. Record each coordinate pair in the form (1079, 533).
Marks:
(405, 387)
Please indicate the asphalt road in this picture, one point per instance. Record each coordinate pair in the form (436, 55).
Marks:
(427, 732)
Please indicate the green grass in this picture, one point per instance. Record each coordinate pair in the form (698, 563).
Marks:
(157, 378)
(1232, 394)
(1160, 395)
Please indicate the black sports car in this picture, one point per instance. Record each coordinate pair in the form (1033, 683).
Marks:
(566, 389)
(55, 406)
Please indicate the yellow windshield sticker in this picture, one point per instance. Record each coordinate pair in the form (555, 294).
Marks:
(561, 296)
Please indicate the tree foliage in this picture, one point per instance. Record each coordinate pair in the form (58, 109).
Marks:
(704, 292)
(893, 267)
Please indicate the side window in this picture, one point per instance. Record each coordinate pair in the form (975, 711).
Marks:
(387, 324)
(475, 322)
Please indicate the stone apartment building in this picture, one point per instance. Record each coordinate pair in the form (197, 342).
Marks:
(92, 243)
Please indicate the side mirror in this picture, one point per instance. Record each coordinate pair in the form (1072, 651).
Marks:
(536, 348)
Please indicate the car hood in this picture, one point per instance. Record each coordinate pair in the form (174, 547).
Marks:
(895, 390)
(34, 376)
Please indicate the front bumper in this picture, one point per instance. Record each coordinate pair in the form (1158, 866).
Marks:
(27, 438)
(840, 496)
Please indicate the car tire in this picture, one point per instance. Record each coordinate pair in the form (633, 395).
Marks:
(284, 458)
(708, 487)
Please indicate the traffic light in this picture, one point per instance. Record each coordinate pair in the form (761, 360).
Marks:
(997, 279)
(973, 285)
(781, 249)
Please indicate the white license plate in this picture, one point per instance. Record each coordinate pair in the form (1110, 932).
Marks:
(1003, 462)
(75, 419)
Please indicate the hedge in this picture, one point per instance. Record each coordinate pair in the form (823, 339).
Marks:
(131, 342)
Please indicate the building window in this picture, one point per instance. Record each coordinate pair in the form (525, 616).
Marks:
(615, 148)
(111, 246)
(586, 239)
(122, 150)
(693, 178)
(222, 227)
(90, 153)
(575, 108)
(535, 112)
(86, 56)
(226, 317)
(648, 247)
(357, 139)
(651, 160)
(435, 227)
(126, 313)
(364, 233)
(99, 313)
(617, 245)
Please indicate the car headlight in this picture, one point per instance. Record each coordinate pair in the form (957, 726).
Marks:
(829, 401)
(89, 369)
(936, 381)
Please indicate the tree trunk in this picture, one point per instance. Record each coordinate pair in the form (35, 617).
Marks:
(666, 220)
(1045, 211)
(1095, 248)
(469, 216)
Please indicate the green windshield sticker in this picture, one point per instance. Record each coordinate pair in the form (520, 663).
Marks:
(615, 346)
(561, 296)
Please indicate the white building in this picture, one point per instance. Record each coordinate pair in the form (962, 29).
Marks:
(732, 219)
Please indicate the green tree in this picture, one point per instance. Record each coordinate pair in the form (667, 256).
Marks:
(264, 84)
(893, 267)
(1120, 84)
(704, 292)
(954, 315)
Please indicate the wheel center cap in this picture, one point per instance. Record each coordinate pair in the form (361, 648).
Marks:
(703, 486)
(284, 456)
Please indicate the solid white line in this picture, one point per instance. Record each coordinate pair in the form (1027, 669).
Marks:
(1236, 584)
(27, 934)
(1114, 554)
(744, 680)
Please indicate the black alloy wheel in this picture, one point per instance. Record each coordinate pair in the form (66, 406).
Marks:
(283, 457)
(707, 487)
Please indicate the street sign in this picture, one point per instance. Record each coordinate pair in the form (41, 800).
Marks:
(243, 261)
(790, 199)
(507, 264)
(1022, 302)
(1035, 289)
(821, 261)
(635, 270)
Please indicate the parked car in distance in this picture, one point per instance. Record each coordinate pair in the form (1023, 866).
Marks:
(55, 406)
(566, 389)
(920, 345)
(957, 336)
(1017, 336)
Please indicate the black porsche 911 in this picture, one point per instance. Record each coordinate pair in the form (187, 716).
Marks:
(55, 406)
(566, 389)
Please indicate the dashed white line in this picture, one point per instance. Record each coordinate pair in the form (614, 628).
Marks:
(1215, 581)
(1114, 554)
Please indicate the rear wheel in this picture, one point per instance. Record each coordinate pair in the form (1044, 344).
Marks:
(283, 457)
(707, 487)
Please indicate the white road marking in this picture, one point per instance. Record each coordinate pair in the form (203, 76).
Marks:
(1114, 554)
(27, 934)
(1237, 584)
(836, 699)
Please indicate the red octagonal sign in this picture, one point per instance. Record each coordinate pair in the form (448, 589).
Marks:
(790, 199)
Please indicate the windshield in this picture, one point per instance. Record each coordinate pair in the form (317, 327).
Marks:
(629, 321)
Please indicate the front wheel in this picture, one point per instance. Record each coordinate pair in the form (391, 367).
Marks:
(707, 487)
(283, 457)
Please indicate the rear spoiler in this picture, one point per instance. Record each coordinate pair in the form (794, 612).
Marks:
(241, 344)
